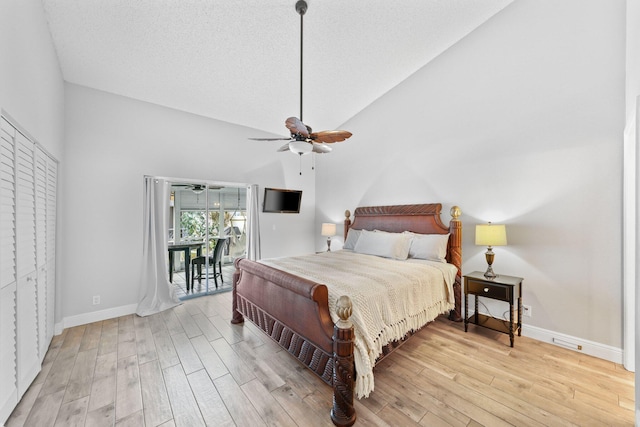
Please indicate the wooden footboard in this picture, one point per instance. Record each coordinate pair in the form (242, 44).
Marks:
(295, 311)
(283, 306)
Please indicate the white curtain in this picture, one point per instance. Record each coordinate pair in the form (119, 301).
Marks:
(253, 225)
(156, 292)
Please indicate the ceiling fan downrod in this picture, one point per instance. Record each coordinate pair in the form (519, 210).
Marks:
(301, 8)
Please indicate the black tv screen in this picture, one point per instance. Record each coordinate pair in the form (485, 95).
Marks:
(282, 201)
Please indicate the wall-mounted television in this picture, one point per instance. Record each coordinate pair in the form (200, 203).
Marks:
(282, 201)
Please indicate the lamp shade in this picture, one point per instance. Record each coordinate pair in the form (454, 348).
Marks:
(328, 230)
(491, 234)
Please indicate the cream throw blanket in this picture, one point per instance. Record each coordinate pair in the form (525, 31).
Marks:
(389, 297)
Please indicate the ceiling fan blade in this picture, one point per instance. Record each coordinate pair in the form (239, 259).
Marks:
(330, 136)
(296, 127)
(321, 148)
(270, 139)
(285, 147)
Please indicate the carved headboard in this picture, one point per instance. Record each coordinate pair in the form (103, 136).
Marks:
(422, 218)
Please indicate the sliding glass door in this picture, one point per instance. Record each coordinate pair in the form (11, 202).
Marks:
(207, 232)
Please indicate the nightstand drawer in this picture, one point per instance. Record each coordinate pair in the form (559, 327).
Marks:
(488, 289)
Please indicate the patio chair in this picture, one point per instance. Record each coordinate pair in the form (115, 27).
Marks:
(215, 262)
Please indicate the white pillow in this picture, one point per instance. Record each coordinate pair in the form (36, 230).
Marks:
(352, 238)
(388, 245)
(432, 247)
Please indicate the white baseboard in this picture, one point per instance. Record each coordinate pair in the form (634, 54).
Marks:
(94, 316)
(579, 345)
(602, 351)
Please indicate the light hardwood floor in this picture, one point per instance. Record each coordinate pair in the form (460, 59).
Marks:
(189, 366)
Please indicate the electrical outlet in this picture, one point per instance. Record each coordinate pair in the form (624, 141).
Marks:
(96, 299)
(526, 310)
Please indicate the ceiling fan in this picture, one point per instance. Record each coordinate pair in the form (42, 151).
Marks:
(196, 188)
(303, 140)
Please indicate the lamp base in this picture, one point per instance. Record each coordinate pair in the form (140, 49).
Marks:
(489, 274)
(489, 255)
(328, 244)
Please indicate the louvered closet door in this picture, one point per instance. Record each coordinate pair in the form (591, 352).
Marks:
(8, 333)
(52, 190)
(7, 205)
(40, 175)
(27, 303)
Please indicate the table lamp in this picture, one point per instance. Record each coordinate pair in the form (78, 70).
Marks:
(490, 235)
(328, 230)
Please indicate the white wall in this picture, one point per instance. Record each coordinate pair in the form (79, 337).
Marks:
(520, 123)
(111, 143)
(631, 155)
(31, 85)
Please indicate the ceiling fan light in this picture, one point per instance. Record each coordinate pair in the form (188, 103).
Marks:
(300, 147)
(321, 148)
(198, 188)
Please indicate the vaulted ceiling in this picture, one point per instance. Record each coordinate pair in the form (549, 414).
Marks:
(239, 60)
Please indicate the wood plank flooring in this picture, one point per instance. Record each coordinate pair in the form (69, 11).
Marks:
(190, 367)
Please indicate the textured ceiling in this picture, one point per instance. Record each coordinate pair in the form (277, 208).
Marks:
(238, 60)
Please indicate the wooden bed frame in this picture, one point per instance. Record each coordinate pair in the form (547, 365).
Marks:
(295, 311)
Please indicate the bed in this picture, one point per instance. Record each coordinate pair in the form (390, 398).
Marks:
(314, 322)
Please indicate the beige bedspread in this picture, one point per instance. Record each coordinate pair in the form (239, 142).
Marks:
(390, 298)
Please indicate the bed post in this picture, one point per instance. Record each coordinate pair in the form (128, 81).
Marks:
(455, 228)
(236, 317)
(347, 223)
(343, 412)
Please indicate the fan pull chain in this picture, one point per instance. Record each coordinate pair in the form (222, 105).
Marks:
(300, 157)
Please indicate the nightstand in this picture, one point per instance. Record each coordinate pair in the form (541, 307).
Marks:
(502, 288)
